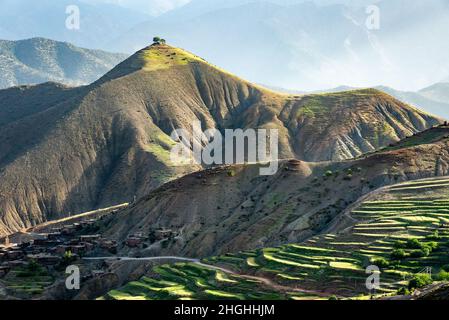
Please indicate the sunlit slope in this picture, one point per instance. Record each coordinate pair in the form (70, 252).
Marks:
(109, 142)
(233, 208)
(414, 222)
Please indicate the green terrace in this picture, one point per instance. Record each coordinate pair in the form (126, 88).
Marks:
(402, 236)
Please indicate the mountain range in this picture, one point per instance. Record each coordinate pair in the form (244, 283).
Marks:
(38, 60)
(68, 150)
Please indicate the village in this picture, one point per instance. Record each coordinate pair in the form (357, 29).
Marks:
(67, 243)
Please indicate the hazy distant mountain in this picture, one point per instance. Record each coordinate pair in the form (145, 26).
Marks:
(437, 92)
(426, 99)
(310, 45)
(40, 60)
(99, 24)
(151, 7)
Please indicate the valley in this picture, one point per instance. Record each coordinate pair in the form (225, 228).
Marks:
(257, 250)
(361, 181)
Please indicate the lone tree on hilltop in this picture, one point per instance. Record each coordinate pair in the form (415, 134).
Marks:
(158, 40)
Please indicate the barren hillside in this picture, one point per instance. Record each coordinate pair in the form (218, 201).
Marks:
(74, 150)
(233, 208)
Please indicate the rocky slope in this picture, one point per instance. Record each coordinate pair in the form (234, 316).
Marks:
(233, 208)
(73, 150)
(40, 60)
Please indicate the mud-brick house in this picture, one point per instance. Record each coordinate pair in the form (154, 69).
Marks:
(133, 242)
(68, 230)
(162, 234)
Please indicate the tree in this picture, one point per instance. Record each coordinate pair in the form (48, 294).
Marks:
(157, 40)
(419, 281)
(398, 254)
(162, 41)
(328, 173)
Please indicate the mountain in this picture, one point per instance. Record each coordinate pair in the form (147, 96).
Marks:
(438, 92)
(40, 60)
(433, 99)
(99, 23)
(245, 211)
(69, 150)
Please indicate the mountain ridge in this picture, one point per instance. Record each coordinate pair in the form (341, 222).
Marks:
(109, 142)
(38, 60)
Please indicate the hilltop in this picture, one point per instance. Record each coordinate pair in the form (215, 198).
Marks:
(39, 60)
(73, 150)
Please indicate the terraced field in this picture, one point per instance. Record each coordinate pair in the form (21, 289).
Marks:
(395, 220)
(188, 281)
(25, 283)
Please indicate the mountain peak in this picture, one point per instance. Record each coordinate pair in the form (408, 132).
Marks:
(162, 56)
(155, 57)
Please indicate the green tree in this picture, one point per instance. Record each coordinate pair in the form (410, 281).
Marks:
(157, 40)
(398, 254)
(328, 173)
(381, 262)
(420, 281)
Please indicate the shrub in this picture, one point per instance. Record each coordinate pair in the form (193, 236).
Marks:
(400, 244)
(333, 298)
(403, 291)
(445, 267)
(328, 173)
(420, 281)
(432, 245)
(420, 253)
(442, 276)
(381, 262)
(434, 236)
(414, 244)
(67, 258)
(398, 254)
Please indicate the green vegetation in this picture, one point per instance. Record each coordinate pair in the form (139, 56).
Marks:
(402, 235)
(420, 281)
(159, 58)
(426, 137)
(192, 281)
(29, 280)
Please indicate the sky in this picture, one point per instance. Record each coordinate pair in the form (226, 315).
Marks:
(151, 7)
(301, 45)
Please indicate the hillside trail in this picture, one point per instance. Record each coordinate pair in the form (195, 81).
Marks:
(265, 281)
